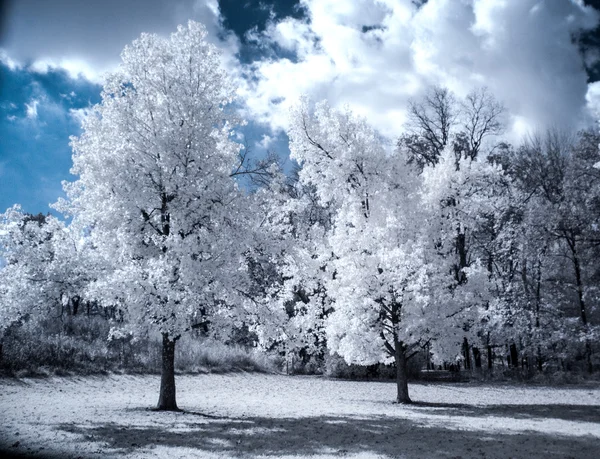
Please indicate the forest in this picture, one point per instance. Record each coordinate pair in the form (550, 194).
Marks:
(448, 252)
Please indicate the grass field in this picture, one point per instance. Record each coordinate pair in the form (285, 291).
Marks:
(260, 416)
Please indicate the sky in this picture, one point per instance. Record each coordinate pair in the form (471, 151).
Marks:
(540, 58)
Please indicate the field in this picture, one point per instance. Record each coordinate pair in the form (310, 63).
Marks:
(260, 416)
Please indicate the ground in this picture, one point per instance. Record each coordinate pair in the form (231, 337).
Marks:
(260, 416)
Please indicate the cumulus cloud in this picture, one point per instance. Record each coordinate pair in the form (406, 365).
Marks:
(10, 63)
(86, 38)
(75, 68)
(593, 99)
(375, 55)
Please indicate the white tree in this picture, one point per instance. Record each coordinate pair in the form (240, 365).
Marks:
(27, 251)
(467, 199)
(389, 290)
(46, 265)
(296, 303)
(156, 188)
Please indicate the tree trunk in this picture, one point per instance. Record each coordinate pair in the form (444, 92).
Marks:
(476, 357)
(588, 353)
(461, 250)
(514, 355)
(430, 365)
(401, 373)
(490, 358)
(166, 400)
(582, 307)
(466, 354)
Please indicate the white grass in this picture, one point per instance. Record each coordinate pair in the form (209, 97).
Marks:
(259, 416)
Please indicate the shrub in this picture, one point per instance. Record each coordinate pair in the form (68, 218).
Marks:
(80, 345)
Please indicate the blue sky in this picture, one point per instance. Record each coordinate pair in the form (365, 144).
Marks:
(373, 55)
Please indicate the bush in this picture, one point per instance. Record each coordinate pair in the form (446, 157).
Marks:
(79, 345)
(207, 355)
(336, 367)
(56, 346)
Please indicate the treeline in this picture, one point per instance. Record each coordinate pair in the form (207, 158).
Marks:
(524, 217)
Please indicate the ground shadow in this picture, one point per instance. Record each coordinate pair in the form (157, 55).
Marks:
(391, 437)
(585, 413)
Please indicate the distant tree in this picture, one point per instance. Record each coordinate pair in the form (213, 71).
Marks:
(46, 266)
(156, 188)
(481, 116)
(430, 124)
(300, 221)
(439, 119)
(556, 171)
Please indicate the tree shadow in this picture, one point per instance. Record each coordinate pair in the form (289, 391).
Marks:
(337, 436)
(584, 413)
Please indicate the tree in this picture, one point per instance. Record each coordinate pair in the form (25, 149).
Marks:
(467, 206)
(439, 120)
(430, 124)
(556, 171)
(156, 190)
(439, 123)
(296, 300)
(388, 289)
(27, 250)
(46, 266)
(481, 117)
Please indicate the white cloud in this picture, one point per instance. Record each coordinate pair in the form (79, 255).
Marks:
(75, 68)
(86, 38)
(79, 114)
(265, 141)
(31, 109)
(593, 99)
(8, 61)
(375, 55)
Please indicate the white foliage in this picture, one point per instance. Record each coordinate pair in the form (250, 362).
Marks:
(154, 164)
(46, 264)
(382, 245)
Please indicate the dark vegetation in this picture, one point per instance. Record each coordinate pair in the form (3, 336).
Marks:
(77, 344)
(71, 343)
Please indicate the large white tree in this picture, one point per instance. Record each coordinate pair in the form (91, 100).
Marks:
(388, 284)
(155, 163)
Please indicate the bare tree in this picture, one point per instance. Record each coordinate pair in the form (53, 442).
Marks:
(430, 122)
(440, 119)
(481, 116)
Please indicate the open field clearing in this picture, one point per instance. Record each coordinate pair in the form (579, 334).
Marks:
(256, 416)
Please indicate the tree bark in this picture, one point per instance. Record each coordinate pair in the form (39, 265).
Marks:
(167, 400)
(401, 373)
(476, 357)
(582, 307)
(466, 353)
(514, 355)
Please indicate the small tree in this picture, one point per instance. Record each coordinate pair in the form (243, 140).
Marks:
(156, 189)
(46, 264)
